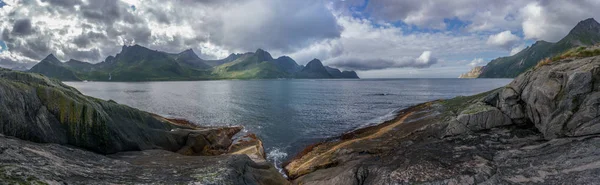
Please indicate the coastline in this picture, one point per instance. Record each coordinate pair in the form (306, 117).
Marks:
(501, 136)
(303, 162)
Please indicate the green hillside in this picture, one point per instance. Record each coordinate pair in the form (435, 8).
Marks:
(137, 63)
(585, 33)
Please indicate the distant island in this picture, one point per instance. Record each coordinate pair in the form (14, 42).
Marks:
(138, 63)
(585, 33)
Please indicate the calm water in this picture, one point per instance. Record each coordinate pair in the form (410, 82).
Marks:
(286, 114)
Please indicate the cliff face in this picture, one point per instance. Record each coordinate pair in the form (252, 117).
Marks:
(542, 128)
(142, 147)
(474, 73)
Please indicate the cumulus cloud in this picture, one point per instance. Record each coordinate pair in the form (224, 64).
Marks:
(484, 15)
(517, 49)
(366, 46)
(92, 30)
(355, 34)
(476, 62)
(503, 39)
(423, 61)
(552, 20)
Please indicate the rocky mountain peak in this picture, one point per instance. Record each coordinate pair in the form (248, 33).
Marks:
(263, 55)
(189, 53)
(586, 32)
(51, 59)
(315, 63)
(588, 23)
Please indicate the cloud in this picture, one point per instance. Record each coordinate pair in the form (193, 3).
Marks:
(92, 30)
(364, 45)
(503, 39)
(517, 49)
(22, 27)
(423, 61)
(370, 35)
(476, 62)
(483, 15)
(552, 20)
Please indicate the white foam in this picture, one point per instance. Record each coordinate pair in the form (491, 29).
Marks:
(276, 155)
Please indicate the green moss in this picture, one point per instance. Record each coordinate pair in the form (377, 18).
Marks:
(83, 119)
(9, 177)
(460, 103)
(475, 108)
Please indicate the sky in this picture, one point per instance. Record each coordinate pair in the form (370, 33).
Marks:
(377, 38)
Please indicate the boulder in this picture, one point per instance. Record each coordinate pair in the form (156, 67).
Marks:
(559, 98)
(480, 116)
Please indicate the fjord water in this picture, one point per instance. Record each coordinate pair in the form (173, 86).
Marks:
(286, 114)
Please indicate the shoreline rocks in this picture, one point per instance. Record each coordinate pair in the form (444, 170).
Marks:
(85, 140)
(543, 128)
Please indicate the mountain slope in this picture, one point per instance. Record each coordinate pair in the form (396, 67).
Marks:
(336, 73)
(189, 59)
(137, 63)
(286, 64)
(250, 65)
(314, 69)
(230, 58)
(586, 32)
(52, 67)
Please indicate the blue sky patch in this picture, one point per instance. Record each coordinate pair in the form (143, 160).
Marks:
(3, 46)
(2, 3)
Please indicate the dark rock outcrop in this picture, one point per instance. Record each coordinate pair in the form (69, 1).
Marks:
(542, 128)
(40, 109)
(24, 162)
(143, 147)
(561, 99)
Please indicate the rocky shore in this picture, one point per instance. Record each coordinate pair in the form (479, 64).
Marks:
(543, 128)
(52, 134)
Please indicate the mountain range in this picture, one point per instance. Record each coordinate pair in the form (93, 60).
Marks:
(585, 33)
(138, 63)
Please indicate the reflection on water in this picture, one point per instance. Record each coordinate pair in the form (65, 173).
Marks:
(285, 114)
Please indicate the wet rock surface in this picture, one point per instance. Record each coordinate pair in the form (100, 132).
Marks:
(543, 128)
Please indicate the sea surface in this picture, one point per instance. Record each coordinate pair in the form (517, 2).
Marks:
(286, 114)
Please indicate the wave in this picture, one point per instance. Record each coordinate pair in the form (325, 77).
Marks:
(277, 155)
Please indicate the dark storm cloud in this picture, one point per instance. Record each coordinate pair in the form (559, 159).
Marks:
(290, 25)
(38, 48)
(107, 11)
(6, 35)
(85, 40)
(10, 64)
(228, 25)
(22, 27)
(88, 56)
(160, 16)
(64, 3)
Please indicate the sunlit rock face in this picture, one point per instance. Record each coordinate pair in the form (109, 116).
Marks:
(474, 73)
